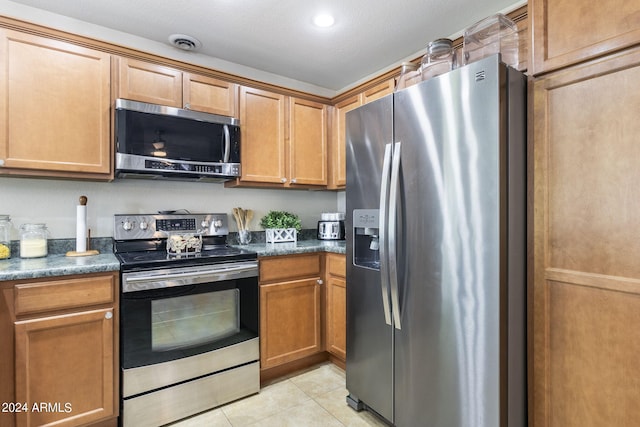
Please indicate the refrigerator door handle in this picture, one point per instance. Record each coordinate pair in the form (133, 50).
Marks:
(393, 209)
(383, 230)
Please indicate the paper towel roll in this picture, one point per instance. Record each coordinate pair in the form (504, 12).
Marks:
(81, 228)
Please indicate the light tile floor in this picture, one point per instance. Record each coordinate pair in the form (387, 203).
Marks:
(315, 397)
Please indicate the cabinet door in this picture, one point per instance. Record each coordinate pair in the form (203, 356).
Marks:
(336, 331)
(338, 177)
(66, 363)
(585, 288)
(571, 31)
(378, 91)
(308, 142)
(54, 107)
(147, 82)
(262, 117)
(290, 319)
(210, 95)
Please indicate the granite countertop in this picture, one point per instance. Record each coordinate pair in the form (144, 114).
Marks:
(17, 268)
(56, 265)
(299, 247)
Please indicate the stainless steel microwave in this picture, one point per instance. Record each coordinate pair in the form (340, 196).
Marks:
(155, 141)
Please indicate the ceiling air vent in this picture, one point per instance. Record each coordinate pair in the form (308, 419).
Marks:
(184, 42)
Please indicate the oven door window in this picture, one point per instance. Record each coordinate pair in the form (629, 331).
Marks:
(192, 320)
(161, 325)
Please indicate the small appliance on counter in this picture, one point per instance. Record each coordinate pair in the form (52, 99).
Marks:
(331, 226)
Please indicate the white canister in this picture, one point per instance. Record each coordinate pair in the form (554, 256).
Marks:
(33, 240)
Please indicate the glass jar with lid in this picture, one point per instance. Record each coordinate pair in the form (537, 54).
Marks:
(495, 34)
(409, 75)
(33, 240)
(440, 58)
(5, 236)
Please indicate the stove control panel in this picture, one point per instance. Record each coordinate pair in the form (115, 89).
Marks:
(137, 227)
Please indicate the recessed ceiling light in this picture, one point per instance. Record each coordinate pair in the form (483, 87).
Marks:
(323, 20)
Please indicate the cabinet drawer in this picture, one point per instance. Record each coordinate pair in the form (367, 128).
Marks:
(289, 267)
(337, 265)
(63, 294)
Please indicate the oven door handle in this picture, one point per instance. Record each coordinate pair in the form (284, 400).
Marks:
(188, 276)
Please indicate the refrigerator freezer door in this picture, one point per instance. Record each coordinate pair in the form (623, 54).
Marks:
(447, 354)
(369, 338)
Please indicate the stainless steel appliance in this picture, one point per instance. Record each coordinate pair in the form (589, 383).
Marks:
(155, 141)
(189, 321)
(331, 226)
(436, 198)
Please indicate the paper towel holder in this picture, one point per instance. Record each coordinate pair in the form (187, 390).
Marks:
(87, 252)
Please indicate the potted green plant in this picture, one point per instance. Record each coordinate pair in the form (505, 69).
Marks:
(280, 226)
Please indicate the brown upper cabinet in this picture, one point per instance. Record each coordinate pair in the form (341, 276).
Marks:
(572, 31)
(307, 142)
(159, 84)
(338, 148)
(378, 91)
(54, 108)
(284, 140)
(338, 175)
(262, 121)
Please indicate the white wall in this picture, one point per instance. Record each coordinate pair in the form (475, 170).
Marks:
(54, 202)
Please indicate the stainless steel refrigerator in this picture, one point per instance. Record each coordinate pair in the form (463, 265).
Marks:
(436, 249)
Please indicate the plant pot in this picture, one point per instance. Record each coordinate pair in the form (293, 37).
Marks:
(277, 235)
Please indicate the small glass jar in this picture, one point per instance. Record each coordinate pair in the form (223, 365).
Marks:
(440, 58)
(244, 237)
(409, 75)
(33, 240)
(5, 236)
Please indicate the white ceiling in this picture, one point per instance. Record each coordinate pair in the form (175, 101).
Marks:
(277, 37)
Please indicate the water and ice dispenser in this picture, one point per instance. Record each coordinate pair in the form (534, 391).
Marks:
(366, 247)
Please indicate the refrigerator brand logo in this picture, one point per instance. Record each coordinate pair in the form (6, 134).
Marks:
(480, 76)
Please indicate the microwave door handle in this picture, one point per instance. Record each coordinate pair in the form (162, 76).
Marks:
(227, 143)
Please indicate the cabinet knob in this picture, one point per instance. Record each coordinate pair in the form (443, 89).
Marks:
(187, 106)
(293, 180)
(319, 281)
(108, 315)
(283, 180)
(1, 162)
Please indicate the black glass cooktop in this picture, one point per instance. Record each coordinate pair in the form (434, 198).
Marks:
(159, 258)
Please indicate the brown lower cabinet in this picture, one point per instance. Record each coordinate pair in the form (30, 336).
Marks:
(290, 304)
(336, 308)
(63, 332)
(302, 312)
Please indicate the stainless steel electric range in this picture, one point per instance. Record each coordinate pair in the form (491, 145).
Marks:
(189, 317)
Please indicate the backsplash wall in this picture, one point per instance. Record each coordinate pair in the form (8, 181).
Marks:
(54, 202)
